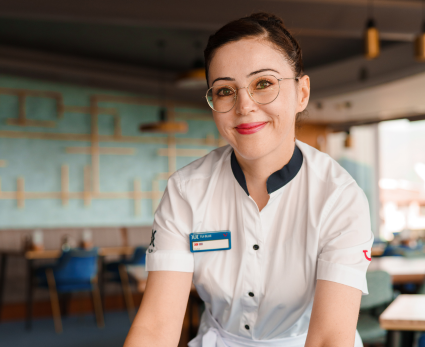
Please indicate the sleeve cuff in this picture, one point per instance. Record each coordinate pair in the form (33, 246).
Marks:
(342, 274)
(162, 260)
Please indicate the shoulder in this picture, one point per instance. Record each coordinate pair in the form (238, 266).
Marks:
(322, 167)
(329, 182)
(205, 167)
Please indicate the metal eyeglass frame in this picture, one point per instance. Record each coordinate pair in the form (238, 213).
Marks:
(250, 95)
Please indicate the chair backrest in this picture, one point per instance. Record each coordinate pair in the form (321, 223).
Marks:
(380, 289)
(139, 256)
(76, 265)
(393, 251)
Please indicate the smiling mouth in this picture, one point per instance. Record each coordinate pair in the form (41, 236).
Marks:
(250, 125)
(250, 128)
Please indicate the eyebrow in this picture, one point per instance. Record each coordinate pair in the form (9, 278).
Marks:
(249, 75)
(262, 70)
(223, 79)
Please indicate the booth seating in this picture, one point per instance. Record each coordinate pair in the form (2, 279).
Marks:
(380, 296)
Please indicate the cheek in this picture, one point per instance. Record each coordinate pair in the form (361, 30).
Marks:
(221, 121)
(282, 110)
(279, 112)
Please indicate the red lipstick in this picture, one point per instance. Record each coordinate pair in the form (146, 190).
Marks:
(250, 128)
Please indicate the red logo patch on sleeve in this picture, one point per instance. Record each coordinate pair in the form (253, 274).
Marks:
(367, 256)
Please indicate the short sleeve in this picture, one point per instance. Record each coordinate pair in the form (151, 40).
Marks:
(169, 247)
(346, 239)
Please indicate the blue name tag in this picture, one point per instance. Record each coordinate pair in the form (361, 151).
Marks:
(210, 241)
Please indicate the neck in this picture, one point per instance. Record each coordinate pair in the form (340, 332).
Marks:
(258, 170)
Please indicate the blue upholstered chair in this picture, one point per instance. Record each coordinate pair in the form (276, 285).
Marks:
(392, 251)
(138, 258)
(380, 296)
(117, 272)
(404, 251)
(74, 271)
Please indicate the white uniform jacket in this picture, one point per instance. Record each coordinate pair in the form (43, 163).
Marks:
(316, 225)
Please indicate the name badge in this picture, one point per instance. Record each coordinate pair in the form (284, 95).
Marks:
(210, 241)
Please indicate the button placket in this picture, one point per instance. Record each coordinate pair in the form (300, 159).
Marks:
(253, 258)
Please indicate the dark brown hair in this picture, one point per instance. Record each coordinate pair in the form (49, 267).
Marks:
(263, 25)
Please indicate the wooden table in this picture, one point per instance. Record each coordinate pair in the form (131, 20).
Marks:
(402, 270)
(55, 253)
(30, 256)
(377, 251)
(406, 314)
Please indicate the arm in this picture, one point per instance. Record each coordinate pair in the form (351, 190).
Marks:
(334, 316)
(160, 317)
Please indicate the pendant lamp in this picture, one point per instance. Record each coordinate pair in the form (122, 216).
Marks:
(164, 125)
(371, 37)
(195, 77)
(420, 39)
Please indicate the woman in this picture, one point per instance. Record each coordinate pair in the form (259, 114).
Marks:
(292, 270)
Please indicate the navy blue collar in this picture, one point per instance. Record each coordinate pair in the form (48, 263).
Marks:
(277, 179)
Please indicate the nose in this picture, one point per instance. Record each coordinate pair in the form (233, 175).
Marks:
(244, 103)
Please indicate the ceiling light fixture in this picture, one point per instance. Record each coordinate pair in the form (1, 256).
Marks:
(164, 125)
(420, 39)
(195, 77)
(371, 37)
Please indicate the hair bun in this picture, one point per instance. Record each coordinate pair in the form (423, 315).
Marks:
(263, 25)
(267, 17)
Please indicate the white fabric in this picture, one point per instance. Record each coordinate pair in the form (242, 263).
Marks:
(216, 336)
(314, 227)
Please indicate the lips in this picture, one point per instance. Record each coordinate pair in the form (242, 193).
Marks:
(250, 128)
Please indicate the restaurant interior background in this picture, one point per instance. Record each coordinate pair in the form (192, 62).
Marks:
(100, 101)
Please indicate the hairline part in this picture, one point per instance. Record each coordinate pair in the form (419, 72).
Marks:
(264, 38)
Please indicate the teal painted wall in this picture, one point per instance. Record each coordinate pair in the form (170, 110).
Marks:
(39, 161)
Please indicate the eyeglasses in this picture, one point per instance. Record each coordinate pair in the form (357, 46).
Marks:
(263, 90)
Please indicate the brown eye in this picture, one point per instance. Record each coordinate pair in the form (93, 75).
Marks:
(225, 92)
(263, 84)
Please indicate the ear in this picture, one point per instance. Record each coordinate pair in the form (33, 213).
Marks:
(303, 93)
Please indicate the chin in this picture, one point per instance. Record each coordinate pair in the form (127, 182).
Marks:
(250, 149)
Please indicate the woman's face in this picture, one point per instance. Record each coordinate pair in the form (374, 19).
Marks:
(236, 64)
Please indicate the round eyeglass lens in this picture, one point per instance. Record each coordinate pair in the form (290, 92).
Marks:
(221, 98)
(264, 89)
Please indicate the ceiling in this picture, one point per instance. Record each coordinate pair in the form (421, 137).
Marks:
(126, 32)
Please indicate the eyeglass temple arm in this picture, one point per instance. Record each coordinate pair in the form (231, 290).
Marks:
(289, 78)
